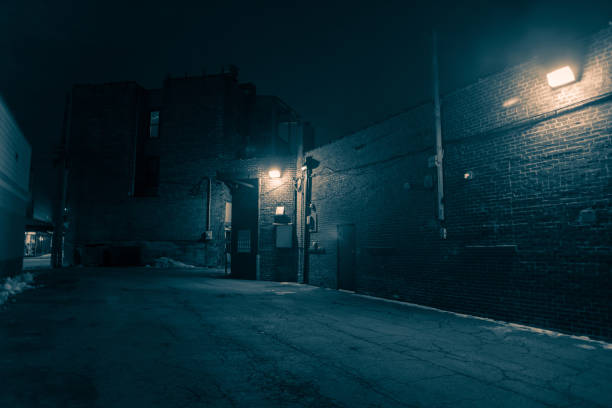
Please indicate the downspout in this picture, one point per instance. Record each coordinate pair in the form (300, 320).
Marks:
(306, 203)
(208, 202)
(438, 128)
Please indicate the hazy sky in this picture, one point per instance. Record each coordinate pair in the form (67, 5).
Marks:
(341, 65)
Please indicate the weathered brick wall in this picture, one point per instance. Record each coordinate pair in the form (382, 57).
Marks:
(375, 179)
(276, 263)
(101, 149)
(528, 237)
(202, 124)
(524, 91)
(108, 123)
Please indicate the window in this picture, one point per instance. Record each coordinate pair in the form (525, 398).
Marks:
(147, 177)
(154, 124)
(151, 175)
(228, 213)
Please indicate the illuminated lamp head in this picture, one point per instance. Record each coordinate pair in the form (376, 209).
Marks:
(560, 77)
(274, 173)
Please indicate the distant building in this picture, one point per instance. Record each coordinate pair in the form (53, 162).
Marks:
(15, 155)
(178, 171)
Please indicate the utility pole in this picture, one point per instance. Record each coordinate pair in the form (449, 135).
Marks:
(57, 247)
(438, 129)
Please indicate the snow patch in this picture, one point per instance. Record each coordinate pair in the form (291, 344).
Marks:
(165, 262)
(14, 285)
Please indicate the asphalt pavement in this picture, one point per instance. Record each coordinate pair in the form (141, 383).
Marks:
(144, 337)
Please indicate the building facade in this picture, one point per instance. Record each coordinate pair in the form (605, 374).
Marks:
(15, 156)
(527, 229)
(171, 172)
(527, 234)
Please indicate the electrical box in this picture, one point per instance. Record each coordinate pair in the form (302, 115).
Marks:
(284, 236)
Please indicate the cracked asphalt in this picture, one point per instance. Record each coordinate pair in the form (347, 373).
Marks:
(188, 338)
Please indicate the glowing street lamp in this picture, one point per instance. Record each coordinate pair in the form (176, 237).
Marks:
(274, 173)
(561, 76)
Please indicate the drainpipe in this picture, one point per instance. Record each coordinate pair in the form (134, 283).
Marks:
(438, 128)
(306, 203)
(208, 202)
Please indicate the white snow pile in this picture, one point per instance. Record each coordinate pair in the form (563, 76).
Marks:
(165, 262)
(14, 285)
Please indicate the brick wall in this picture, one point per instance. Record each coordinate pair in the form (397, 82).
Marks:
(101, 149)
(376, 179)
(203, 121)
(528, 237)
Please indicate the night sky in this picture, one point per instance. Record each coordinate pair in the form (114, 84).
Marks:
(341, 65)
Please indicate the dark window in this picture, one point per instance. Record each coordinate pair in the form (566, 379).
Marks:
(151, 179)
(154, 124)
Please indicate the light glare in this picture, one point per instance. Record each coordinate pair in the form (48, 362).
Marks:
(511, 102)
(560, 77)
(274, 173)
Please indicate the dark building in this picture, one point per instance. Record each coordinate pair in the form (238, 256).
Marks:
(15, 155)
(170, 172)
(527, 232)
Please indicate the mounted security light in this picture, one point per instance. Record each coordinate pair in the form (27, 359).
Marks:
(274, 173)
(563, 61)
(560, 77)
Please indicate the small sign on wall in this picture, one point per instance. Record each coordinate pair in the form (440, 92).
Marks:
(284, 236)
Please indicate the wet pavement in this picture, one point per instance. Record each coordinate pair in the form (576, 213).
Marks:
(189, 338)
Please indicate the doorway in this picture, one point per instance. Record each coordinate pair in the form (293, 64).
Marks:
(244, 236)
(346, 256)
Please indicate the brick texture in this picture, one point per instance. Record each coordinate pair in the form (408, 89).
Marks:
(204, 122)
(528, 238)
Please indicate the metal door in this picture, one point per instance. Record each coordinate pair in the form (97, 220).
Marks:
(244, 229)
(346, 256)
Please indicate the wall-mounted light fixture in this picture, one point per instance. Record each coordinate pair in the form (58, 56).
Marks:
(274, 173)
(561, 76)
(468, 175)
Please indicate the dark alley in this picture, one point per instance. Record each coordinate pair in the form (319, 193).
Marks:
(307, 204)
(188, 338)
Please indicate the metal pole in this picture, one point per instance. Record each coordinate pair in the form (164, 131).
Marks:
(306, 202)
(57, 246)
(438, 128)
